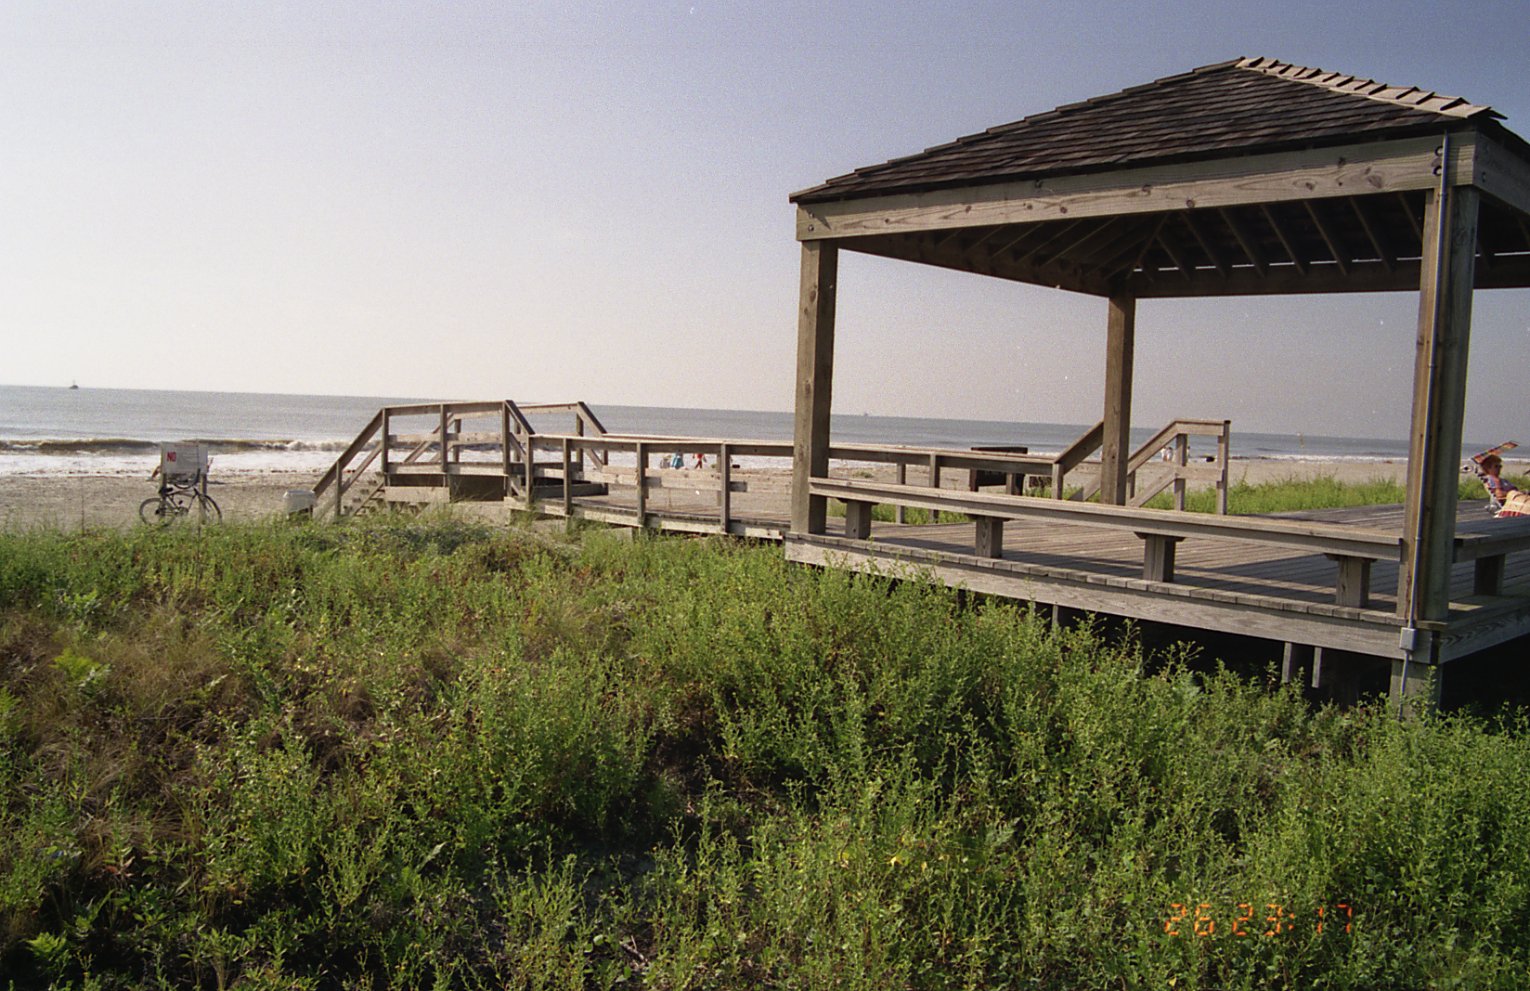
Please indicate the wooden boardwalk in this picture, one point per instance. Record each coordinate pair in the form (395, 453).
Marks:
(1231, 586)
(1317, 581)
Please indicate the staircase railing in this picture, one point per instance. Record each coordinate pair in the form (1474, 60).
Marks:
(372, 453)
(336, 478)
(1176, 438)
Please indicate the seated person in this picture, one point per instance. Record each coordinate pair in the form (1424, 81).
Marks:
(1508, 500)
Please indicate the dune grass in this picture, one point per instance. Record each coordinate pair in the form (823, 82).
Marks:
(425, 753)
(1319, 492)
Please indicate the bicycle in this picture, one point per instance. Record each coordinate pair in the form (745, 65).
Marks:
(180, 500)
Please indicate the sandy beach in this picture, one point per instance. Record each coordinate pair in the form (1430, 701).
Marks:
(75, 502)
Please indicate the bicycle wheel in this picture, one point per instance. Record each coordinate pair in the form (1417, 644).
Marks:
(152, 511)
(207, 510)
(178, 506)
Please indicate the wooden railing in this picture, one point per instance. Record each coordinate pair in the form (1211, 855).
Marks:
(509, 445)
(1352, 548)
(444, 448)
(642, 478)
(1176, 439)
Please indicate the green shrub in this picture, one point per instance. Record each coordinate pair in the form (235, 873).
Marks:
(402, 753)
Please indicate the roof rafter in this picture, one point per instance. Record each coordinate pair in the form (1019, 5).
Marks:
(1204, 240)
(1166, 241)
(1285, 239)
(1329, 236)
(1362, 213)
(1062, 231)
(1245, 241)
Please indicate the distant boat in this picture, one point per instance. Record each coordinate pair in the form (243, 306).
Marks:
(74, 385)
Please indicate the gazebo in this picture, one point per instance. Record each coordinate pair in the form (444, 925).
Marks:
(1248, 177)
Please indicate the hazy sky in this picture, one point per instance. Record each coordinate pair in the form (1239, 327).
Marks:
(551, 201)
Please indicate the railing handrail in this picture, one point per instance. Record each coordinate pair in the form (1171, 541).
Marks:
(1324, 538)
(1172, 431)
(337, 470)
(1074, 455)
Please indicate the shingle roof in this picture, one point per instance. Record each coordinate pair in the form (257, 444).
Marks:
(1231, 107)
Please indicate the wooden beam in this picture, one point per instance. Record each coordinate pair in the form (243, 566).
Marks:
(1120, 340)
(815, 377)
(1439, 403)
(1126, 241)
(1352, 587)
(1374, 167)
(1097, 232)
(1158, 557)
(1330, 237)
(1413, 221)
(858, 519)
(1501, 174)
(1250, 247)
(1286, 241)
(725, 490)
(1414, 688)
(989, 539)
(1362, 213)
(909, 249)
(1281, 276)
(1166, 240)
(1508, 272)
(1204, 240)
(1138, 254)
(1040, 247)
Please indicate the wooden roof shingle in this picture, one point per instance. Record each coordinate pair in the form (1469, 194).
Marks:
(1230, 108)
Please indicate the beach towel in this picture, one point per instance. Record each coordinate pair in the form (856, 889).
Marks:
(1516, 503)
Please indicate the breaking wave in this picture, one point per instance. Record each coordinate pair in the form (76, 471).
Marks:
(128, 445)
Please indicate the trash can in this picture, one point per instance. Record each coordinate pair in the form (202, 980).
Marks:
(297, 501)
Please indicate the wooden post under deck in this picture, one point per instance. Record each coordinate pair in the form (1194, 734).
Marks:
(815, 377)
(1439, 403)
(1116, 448)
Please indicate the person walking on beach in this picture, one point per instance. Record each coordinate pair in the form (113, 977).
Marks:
(701, 461)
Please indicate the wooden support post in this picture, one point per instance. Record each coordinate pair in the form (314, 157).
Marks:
(382, 446)
(1487, 578)
(505, 442)
(1439, 402)
(725, 493)
(1158, 557)
(858, 520)
(1414, 687)
(1317, 667)
(568, 481)
(934, 484)
(1116, 449)
(1224, 453)
(1290, 662)
(1181, 458)
(900, 513)
(990, 537)
(642, 483)
(443, 441)
(815, 377)
(1353, 586)
(531, 463)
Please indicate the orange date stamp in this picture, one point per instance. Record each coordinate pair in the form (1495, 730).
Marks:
(1241, 920)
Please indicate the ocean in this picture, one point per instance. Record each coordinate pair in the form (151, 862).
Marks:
(85, 431)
